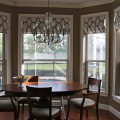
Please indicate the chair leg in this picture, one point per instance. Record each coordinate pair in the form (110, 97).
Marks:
(81, 114)
(23, 108)
(15, 115)
(62, 106)
(68, 110)
(87, 113)
(18, 110)
(97, 114)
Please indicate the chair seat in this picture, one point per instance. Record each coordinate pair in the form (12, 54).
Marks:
(44, 112)
(6, 106)
(77, 102)
(25, 100)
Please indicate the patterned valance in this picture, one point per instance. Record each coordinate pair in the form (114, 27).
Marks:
(117, 20)
(94, 24)
(28, 23)
(3, 24)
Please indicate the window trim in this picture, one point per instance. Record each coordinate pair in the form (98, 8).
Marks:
(107, 46)
(115, 97)
(7, 52)
(70, 54)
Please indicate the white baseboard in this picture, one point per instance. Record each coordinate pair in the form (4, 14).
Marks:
(111, 109)
(114, 111)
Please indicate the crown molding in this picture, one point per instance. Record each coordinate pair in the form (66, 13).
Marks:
(8, 2)
(102, 2)
(53, 4)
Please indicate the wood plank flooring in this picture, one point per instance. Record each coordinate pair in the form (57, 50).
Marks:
(74, 115)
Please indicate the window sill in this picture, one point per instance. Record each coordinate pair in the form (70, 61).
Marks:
(116, 98)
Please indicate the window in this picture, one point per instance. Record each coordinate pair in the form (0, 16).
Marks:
(1, 58)
(95, 48)
(116, 58)
(4, 49)
(43, 60)
(47, 61)
(95, 56)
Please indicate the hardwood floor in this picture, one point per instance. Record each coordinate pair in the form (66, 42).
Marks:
(103, 115)
(74, 115)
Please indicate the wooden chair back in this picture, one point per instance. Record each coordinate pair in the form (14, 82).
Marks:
(94, 86)
(44, 98)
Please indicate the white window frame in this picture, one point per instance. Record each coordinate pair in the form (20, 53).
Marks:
(115, 97)
(7, 52)
(70, 54)
(107, 48)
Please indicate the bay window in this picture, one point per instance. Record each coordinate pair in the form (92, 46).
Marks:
(52, 61)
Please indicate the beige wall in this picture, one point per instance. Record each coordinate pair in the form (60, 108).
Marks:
(76, 37)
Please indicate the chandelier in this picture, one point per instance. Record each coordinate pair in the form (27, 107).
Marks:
(50, 33)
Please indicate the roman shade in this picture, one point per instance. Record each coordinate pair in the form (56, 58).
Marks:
(28, 24)
(95, 24)
(3, 24)
(117, 20)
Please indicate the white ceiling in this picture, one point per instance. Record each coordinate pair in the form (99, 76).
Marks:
(56, 3)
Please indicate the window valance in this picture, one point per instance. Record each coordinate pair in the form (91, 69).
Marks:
(117, 19)
(3, 24)
(28, 23)
(96, 24)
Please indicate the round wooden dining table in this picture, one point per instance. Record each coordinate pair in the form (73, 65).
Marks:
(58, 88)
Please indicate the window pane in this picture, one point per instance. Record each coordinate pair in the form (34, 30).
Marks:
(97, 70)
(1, 58)
(96, 46)
(28, 47)
(39, 68)
(42, 51)
(61, 70)
(45, 69)
(96, 59)
(46, 61)
(1, 47)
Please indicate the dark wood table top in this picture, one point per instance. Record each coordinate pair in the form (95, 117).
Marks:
(58, 88)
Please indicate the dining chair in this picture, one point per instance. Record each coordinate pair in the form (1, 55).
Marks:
(88, 99)
(57, 101)
(8, 104)
(42, 109)
(23, 100)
